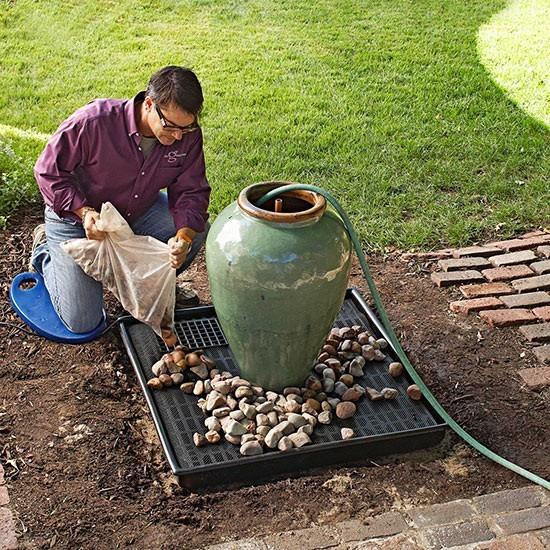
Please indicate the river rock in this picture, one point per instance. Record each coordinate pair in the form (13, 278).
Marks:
(248, 410)
(310, 419)
(213, 424)
(328, 385)
(395, 369)
(352, 394)
(235, 428)
(251, 448)
(201, 371)
(308, 429)
(368, 352)
(346, 379)
(233, 439)
(272, 396)
(299, 439)
(215, 400)
(187, 387)
(213, 437)
(247, 437)
(221, 412)
(325, 406)
(340, 388)
(222, 386)
(231, 402)
(285, 444)
(198, 389)
(264, 408)
(262, 420)
(389, 393)
(296, 420)
(345, 409)
(257, 391)
(413, 391)
(237, 382)
(263, 430)
(292, 406)
(379, 355)
(333, 402)
(373, 395)
(382, 343)
(243, 391)
(291, 389)
(237, 415)
(325, 417)
(199, 440)
(272, 438)
(347, 433)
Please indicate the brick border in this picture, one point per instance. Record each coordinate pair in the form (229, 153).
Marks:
(519, 517)
(514, 292)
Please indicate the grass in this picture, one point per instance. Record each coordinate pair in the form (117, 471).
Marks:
(385, 104)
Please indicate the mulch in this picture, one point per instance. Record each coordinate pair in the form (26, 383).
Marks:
(85, 468)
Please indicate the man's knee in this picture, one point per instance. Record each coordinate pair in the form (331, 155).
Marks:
(78, 321)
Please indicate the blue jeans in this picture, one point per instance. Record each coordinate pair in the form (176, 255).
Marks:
(77, 298)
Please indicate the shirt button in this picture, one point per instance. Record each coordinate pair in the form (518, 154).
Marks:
(128, 214)
(139, 148)
(136, 196)
(143, 173)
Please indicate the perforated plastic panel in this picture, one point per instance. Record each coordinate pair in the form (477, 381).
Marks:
(380, 426)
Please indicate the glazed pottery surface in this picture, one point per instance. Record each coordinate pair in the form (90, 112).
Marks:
(277, 287)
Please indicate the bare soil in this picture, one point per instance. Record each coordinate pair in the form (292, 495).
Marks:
(85, 468)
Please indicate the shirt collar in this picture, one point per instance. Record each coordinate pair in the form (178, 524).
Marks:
(130, 113)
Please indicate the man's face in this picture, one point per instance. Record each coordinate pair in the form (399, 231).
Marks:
(169, 123)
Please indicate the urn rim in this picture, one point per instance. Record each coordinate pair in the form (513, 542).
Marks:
(253, 192)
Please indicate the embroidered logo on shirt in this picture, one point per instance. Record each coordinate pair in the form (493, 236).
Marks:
(173, 156)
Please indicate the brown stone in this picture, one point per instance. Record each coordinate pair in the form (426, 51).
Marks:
(529, 299)
(425, 256)
(345, 409)
(513, 258)
(506, 273)
(540, 268)
(542, 313)
(476, 251)
(477, 304)
(485, 289)
(535, 233)
(536, 333)
(463, 263)
(540, 282)
(455, 277)
(507, 317)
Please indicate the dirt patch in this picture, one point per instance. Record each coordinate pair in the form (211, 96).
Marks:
(85, 468)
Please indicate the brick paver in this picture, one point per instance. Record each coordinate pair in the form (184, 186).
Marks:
(459, 534)
(463, 263)
(507, 273)
(456, 277)
(521, 244)
(523, 520)
(541, 267)
(513, 258)
(536, 378)
(509, 501)
(477, 304)
(507, 317)
(540, 282)
(383, 525)
(529, 299)
(476, 251)
(542, 353)
(513, 542)
(536, 333)
(485, 289)
(441, 514)
(542, 313)
(544, 251)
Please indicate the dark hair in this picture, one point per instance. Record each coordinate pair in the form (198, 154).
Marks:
(176, 85)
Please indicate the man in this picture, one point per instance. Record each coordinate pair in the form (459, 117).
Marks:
(125, 152)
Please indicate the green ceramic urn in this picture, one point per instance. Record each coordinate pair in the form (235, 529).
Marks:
(278, 274)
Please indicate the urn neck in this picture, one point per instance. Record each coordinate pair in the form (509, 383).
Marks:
(292, 207)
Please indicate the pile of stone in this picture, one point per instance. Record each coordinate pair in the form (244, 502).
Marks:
(256, 420)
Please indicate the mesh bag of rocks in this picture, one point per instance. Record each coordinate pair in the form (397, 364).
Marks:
(135, 268)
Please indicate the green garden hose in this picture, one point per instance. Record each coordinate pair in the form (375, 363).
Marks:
(393, 338)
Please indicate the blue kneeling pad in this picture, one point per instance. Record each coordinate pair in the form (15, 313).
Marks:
(34, 306)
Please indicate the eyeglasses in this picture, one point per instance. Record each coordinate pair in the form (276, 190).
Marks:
(167, 125)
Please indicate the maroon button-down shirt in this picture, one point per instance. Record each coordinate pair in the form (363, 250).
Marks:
(95, 156)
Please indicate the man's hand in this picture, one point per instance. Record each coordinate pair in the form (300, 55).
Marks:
(179, 246)
(89, 219)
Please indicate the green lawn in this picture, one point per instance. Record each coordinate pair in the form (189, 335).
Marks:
(384, 103)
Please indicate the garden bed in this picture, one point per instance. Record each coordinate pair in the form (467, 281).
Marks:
(85, 467)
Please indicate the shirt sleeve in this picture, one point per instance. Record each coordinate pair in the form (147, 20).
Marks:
(54, 169)
(189, 195)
